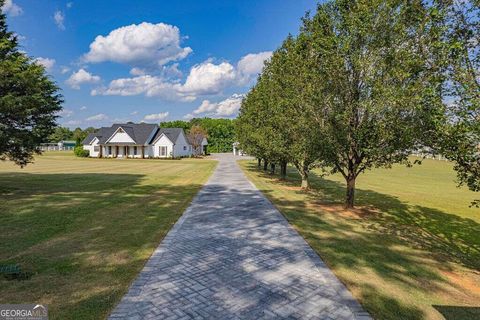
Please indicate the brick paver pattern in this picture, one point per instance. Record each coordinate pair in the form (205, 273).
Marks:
(232, 255)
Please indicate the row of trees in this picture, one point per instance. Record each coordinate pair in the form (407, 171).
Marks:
(364, 84)
(220, 132)
(63, 133)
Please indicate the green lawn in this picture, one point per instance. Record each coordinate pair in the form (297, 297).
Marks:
(85, 227)
(411, 250)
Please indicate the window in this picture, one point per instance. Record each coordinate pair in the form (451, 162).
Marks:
(184, 147)
(163, 151)
(96, 148)
(109, 149)
(135, 150)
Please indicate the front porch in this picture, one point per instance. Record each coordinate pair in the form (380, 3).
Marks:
(123, 151)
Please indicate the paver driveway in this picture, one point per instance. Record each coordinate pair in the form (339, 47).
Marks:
(232, 255)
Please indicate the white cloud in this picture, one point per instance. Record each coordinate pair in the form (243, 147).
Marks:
(65, 113)
(133, 113)
(11, 8)
(224, 108)
(64, 70)
(97, 117)
(188, 116)
(156, 116)
(69, 4)
(208, 78)
(83, 108)
(80, 77)
(47, 63)
(59, 19)
(251, 65)
(145, 44)
(151, 86)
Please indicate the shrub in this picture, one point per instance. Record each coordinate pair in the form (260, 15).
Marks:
(80, 152)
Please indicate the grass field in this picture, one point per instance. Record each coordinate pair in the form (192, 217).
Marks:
(85, 227)
(410, 250)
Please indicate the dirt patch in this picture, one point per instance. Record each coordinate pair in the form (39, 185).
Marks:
(468, 283)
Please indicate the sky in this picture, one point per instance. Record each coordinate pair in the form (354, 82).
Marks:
(118, 60)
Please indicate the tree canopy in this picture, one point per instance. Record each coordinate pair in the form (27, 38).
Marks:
(221, 133)
(355, 90)
(29, 101)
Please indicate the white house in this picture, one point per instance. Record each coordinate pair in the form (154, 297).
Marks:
(142, 140)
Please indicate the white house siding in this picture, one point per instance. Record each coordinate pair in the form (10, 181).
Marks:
(182, 148)
(121, 137)
(163, 141)
(91, 148)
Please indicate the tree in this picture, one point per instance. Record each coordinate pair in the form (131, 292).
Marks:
(79, 135)
(195, 135)
(460, 132)
(185, 125)
(60, 134)
(29, 101)
(373, 71)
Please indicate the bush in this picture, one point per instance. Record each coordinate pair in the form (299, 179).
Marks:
(80, 152)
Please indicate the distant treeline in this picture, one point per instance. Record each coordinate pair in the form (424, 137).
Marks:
(221, 133)
(63, 133)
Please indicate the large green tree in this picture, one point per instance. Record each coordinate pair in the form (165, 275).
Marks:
(29, 101)
(372, 62)
(460, 134)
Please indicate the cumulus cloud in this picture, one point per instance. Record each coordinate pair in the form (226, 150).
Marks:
(11, 8)
(224, 108)
(206, 78)
(251, 65)
(83, 108)
(156, 116)
(145, 44)
(209, 78)
(97, 117)
(151, 86)
(80, 77)
(47, 63)
(59, 19)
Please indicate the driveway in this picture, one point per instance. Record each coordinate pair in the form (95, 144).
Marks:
(232, 255)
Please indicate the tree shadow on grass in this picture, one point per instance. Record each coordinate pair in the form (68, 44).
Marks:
(376, 238)
(458, 312)
(82, 235)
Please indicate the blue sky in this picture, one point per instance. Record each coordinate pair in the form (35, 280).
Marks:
(119, 60)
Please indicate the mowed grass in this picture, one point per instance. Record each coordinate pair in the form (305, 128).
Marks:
(85, 227)
(410, 250)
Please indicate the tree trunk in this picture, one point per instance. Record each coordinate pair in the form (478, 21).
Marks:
(304, 175)
(272, 168)
(265, 164)
(350, 196)
(283, 170)
(259, 163)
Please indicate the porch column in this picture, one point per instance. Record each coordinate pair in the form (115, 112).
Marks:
(100, 154)
(143, 152)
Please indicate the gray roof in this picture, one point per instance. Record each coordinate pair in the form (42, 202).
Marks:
(89, 138)
(171, 133)
(141, 133)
